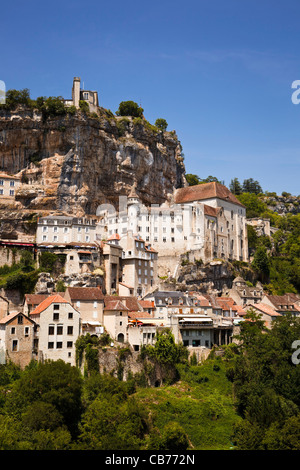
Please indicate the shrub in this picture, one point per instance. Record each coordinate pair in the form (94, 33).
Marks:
(161, 124)
(129, 108)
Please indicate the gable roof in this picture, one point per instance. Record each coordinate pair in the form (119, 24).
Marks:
(205, 191)
(264, 308)
(11, 316)
(85, 293)
(115, 305)
(35, 299)
(283, 300)
(57, 299)
(130, 302)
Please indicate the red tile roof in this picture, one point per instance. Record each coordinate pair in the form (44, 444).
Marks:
(11, 316)
(115, 305)
(201, 192)
(85, 293)
(265, 309)
(57, 299)
(35, 299)
(131, 302)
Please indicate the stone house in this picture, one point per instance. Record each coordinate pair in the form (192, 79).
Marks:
(78, 94)
(66, 230)
(116, 320)
(267, 313)
(58, 329)
(283, 303)
(17, 333)
(243, 294)
(31, 301)
(9, 184)
(111, 253)
(136, 273)
(89, 301)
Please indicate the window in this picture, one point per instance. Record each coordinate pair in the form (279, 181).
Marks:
(44, 238)
(1, 191)
(70, 315)
(45, 229)
(69, 344)
(55, 229)
(59, 345)
(20, 320)
(15, 345)
(56, 307)
(26, 331)
(13, 330)
(70, 330)
(11, 183)
(51, 330)
(55, 315)
(11, 192)
(59, 329)
(1, 182)
(50, 345)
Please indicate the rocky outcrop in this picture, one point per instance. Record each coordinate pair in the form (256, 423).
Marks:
(74, 163)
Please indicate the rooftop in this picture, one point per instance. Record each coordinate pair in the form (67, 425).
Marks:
(205, 191)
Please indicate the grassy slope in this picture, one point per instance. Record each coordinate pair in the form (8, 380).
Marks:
(201, 402)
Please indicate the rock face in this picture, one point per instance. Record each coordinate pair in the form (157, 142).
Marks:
(74, 163)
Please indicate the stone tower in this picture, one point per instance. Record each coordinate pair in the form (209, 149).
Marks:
(76, 91)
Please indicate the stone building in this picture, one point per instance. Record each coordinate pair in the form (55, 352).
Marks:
(17, 334)
(9, 184)
(73, 237)
(130, 264)
(243, 294)
(89, 301)
(58, 329)
(207, 220)
(79, 94)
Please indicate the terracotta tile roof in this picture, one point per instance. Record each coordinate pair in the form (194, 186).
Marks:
(286, 299)
(147, 303)
(265, 309)
(201, 192)
(115, 305)
(131, 302)
(85, 293)
(115, 236)
(57, 299)
(11, 316)
(135, 315)
(211, 211)
(35, 299)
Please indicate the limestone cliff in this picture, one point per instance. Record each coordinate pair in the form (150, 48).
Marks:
(73, 163)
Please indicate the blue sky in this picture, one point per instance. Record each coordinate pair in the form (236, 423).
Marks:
(220, 73)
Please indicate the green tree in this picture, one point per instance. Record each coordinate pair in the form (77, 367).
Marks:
(129, 108)
(192, 179)
(161, 124)
(235, 186)
(251, 186)
(261, 263)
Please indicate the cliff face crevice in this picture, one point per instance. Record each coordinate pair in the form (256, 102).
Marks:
(74, 163)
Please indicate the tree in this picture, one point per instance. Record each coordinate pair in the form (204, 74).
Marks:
(54, 383)
(192, 179)
(261, 263)
(129, 108)
(235, 186)
(251, 186)
(161, 124)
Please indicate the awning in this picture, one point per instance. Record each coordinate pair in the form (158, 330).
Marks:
(194, 320)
